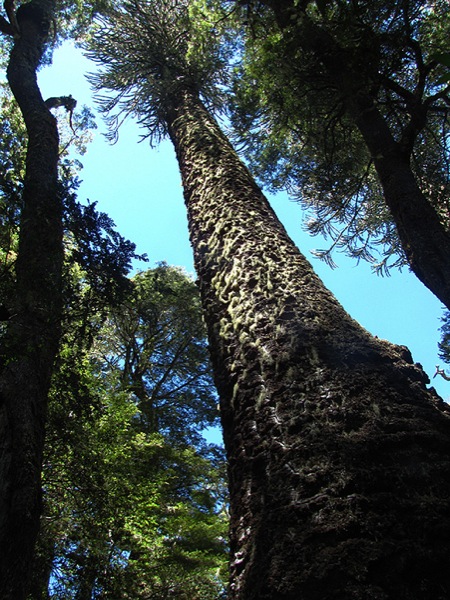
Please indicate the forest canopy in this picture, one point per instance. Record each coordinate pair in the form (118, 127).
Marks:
(109, 379)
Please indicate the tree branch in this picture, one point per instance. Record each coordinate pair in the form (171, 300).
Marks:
(5, 26)
(10, 9)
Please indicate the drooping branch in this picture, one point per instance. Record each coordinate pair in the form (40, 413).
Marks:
(67, 102)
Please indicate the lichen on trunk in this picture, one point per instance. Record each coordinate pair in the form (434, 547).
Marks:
(338, 453)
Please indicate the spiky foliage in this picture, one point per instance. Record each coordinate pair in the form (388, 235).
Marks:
(147, 55)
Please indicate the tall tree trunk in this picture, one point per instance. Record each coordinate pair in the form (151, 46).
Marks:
(339, 456)
(31, 341)
(424, 238)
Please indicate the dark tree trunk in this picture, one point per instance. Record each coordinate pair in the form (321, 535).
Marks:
(338, 454)
(31, 340)
(424, 238)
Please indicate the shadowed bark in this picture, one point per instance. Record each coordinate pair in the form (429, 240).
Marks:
(31, 340)
(338, 454)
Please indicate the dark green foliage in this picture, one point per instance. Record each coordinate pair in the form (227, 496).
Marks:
(290, 109)
(95, 245)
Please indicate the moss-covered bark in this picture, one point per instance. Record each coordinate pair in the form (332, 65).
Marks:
(339, 456)
(31, 340)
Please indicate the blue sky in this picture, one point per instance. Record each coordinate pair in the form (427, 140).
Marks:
(140, 188)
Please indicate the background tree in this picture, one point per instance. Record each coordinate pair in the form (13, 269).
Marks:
(346, 106)
(158, 346)
(134, 504)
(337, 452)
(32, 208)
(30, 342)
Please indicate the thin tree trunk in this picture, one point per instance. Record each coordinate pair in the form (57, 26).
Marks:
(31, 340)
(339, 457)
(424, 238)
(42, 565)
(86, 577)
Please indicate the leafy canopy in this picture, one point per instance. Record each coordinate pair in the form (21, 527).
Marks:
(135, 501)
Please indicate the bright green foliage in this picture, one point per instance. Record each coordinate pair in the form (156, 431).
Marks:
(12, 163)
(135, 499)
(291, 116)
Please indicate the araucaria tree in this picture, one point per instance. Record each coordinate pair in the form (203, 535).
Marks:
(339, 465)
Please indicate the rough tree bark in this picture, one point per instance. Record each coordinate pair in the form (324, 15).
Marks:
(425, 240)
(338, 454)
(30, 343)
